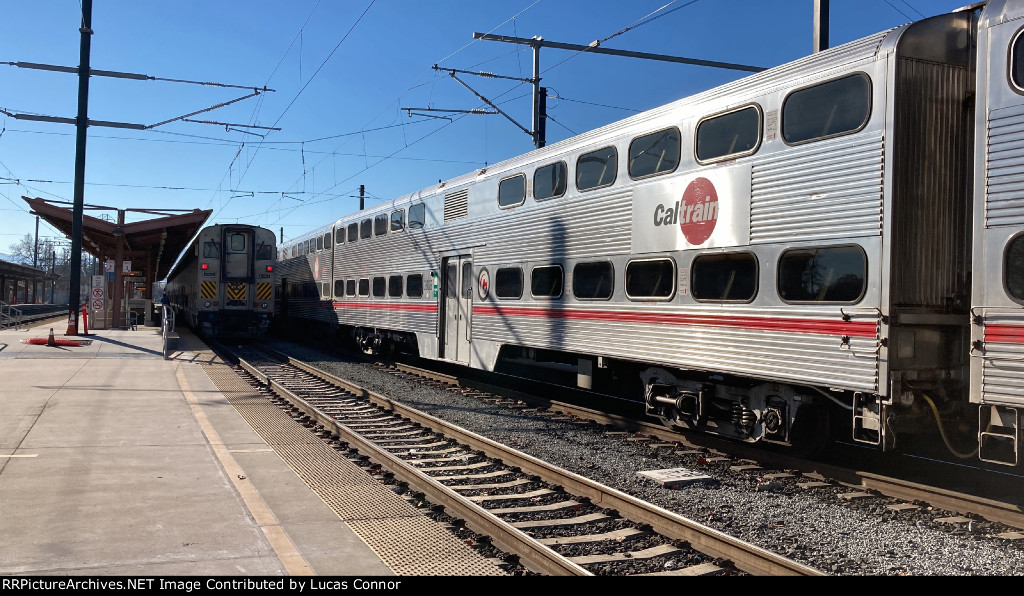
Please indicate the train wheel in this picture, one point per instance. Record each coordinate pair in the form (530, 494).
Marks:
(811, 430)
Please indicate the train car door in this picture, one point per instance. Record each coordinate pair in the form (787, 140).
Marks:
(237, 271)
(456, 305)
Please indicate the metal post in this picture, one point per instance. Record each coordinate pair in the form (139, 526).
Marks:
(75, 287)
(118, 289)
(538, 108)
(820, 25)
(362, 190)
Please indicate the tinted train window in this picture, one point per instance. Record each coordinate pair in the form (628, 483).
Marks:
(656, 153)
(398, 220)
(508, 282)
(597, 168)
(826, 110)
(593, 281)
(264, 252)
(395, 286)
(365, 228)
(729, 135)
(353, 232)
(653, 279)
(724, 277)
(364, 287)
(339, 235)
(546, 282)
(512, 191)
(237, 242)
(320, 243)
(549, 181)
(379, 287)
(326, 289)
(1017, 62)
(834, 274)
(327, 241)
(211, 250)
(417, 216)
(350, 287)
(414, 286)
(1014, 265)
(380, 225)
(339, 288)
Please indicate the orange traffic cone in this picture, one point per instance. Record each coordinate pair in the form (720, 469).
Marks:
(50, 341)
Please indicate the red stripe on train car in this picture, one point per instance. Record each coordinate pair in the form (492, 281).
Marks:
(388, 306)
(852, 329)
(1007, 334)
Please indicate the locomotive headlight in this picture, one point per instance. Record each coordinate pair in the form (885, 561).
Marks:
(264, 305)
(207, 304)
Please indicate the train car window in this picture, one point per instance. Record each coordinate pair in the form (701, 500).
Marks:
(353, 232)
(364, 287)
(656, 153)
(1017, 62)
(1014, 268)
(339, 288)
(211, 250)
(593, 281)
(508, 282)
(597, 168)
(729, 135)
(380, 225)
(339, 235)
(326, 289)
(350, 287)
(365, 228)
(417, 216)
(237, 242)
(319, 243)
(724, 277)
(550, 181)
(546, 281)
(512, 191)
(327, 241)
(467, 279)
(840, 106)
(414, 286)
(395, 286)
(398, 220)
(264, 252)
(651, 279)
(827, 274)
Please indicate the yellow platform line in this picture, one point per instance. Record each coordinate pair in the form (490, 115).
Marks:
(283, 546)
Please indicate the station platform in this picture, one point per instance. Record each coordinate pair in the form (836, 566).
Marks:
(115, 460)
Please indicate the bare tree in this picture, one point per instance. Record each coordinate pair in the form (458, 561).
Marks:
(23, 250)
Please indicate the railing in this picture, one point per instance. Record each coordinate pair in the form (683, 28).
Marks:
(167, 329)
(9, 316)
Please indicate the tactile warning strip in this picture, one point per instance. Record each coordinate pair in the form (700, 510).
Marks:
(407, 541)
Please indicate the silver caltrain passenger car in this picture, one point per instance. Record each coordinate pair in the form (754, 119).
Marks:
(837, 240)
(223, 284)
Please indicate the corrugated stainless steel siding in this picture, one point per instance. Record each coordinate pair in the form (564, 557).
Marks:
(1003, 363)
(800, 358)
(1004, 184)
(828, 189)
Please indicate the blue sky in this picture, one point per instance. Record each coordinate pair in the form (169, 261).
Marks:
(342, 72)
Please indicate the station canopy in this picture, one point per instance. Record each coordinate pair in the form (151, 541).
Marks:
(152, 245)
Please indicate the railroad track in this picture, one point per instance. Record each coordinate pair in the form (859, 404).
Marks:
(552, 521)
(949, 506)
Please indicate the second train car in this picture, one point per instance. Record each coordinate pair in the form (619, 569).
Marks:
(223, 284)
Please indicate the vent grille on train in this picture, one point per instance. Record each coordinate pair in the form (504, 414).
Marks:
(456, 205)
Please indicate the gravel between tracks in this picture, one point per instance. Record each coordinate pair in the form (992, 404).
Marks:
(812, 526)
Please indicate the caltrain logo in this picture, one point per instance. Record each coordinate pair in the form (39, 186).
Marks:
(484, 284)
(696, 213)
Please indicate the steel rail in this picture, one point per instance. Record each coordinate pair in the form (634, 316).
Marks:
(745, 556)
